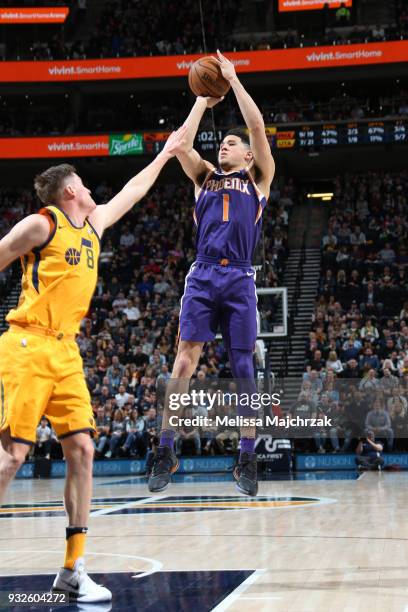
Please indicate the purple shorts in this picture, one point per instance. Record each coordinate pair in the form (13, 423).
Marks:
(221, 298)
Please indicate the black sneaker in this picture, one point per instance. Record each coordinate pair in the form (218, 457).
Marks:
(245, 474)
(164, 465)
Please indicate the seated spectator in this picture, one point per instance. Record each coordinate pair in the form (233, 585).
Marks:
(208, 438)
(351, 370)
(370, 383)
(404, 311)
(397, 395)
(369, 332)
(135, 443)
(403, 366)
(378, 420)
(368, 452)
(316, 384)
(319, 433)
(350, 350)
(371, 303)
(387, 254)
(153, 424)
(388, 383)
(120, 302)
(329, 240)
(399, 421)
(118, 432)
(334, 363)
(185, 433)
(388, 364)
(308, 393)
(330, 388)
(341, 428)
(131, 311)
(317, 362)
(369, 361)
(357, 237)
(103, 426)
(122, 397)
(127, 239)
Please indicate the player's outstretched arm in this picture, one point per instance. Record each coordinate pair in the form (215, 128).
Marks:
(191, 161)
(31, 232)
(106, 215)
(260, 147)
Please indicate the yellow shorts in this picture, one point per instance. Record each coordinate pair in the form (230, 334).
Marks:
(42, 375)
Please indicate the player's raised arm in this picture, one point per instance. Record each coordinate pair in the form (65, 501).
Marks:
(191, 161)
(260, 147)
(106, 215)
(31, 232)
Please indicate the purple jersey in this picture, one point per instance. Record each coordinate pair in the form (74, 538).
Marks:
(228, 216)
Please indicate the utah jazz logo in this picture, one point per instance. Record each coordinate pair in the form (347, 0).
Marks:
(73, 256)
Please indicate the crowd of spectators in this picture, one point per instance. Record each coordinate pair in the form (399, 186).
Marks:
(125, 28)
(57, 115)
(98, 45)
(128, 340)
(356, 370)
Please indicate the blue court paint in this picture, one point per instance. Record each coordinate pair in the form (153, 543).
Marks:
(171, 504)
(170, 591)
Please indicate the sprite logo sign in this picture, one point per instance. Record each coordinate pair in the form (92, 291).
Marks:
(126, 144)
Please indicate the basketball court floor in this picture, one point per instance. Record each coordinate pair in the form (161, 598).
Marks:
(330, 541)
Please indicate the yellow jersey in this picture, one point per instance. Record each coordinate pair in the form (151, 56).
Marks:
(59, 277)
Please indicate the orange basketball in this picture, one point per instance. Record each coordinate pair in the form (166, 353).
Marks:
(205, 78)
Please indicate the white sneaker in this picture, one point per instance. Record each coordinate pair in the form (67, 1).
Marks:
(101, 606)
(79, 585)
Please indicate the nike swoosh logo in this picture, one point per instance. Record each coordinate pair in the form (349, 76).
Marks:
(73, 585)
(250, 273)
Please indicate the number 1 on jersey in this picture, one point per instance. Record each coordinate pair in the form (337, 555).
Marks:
(225, 207)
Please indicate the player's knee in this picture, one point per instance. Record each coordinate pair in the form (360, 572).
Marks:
(184, 366)
(14, 459)
(243, 365)
(80, 453)
(89, 452)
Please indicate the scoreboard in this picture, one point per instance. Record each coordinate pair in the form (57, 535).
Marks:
(322, 135)
(304, 136)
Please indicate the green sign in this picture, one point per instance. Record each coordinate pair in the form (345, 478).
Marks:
(125, 144)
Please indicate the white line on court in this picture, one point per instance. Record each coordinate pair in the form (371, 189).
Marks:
(156, 565)
(139, 502)
(236, 593)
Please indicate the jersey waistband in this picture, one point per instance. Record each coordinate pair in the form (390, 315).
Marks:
(223, 261)
(41, 331)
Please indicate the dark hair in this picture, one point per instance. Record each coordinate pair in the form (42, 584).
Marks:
(240, 133)
(48, 183)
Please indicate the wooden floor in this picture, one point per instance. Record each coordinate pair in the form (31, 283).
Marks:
(310, 545)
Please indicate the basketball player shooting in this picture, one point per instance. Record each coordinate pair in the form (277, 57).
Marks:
(41, 370)
(220, 286)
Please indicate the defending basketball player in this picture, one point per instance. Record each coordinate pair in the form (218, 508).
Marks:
(40, 365)
(220, 286)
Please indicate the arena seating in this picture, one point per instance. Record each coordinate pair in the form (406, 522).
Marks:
(125, 29)
(357, 351)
